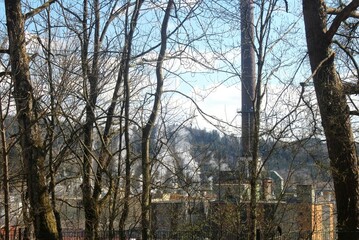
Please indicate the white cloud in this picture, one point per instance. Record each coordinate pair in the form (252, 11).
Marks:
(223, 103)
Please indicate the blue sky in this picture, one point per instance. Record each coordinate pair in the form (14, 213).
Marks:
(218, 93)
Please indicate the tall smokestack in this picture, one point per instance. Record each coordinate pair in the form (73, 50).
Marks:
(248, 76)
(248, 96)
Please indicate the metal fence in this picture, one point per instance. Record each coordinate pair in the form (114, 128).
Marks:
(79, 234)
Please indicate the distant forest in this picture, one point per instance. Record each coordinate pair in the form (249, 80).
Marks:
(305, 161)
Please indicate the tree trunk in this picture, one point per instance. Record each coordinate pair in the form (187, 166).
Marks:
(5, 164)
(52, 172)
(32, 145)
(146, 132)
(335, 119)
(90, 77)
(124, 75)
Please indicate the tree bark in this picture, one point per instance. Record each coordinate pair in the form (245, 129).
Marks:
(335, 118)
(30, 138)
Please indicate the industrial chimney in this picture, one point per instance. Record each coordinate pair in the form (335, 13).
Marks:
(248, 76)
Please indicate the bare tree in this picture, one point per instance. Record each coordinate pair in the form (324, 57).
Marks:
(334, 110)
(27, 116)
(124, 76)
(146, 131)
(5, 166)
(265, 43)
(91, 36)
(106, 78)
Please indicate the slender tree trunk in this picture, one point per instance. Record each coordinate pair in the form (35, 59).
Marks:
(30, 137)
(126, 107)
(52, 173)
(109, 118)
(90, 75)
(92, 201)
(335, 119)
(123, 77)
(125, 200)
(147, 130)
(5, 164)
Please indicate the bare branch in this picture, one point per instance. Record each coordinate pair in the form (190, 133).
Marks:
(207, 117)
(336, 11)
(2, 74)
(39, 9)
(70, 11)
(349, 55)
(286, 5)
(3, 50)
(356, 113)
(330, 57)
(342, 16)
(350, 88)
(113, 16)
